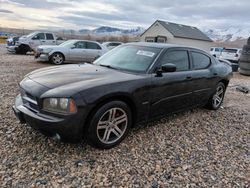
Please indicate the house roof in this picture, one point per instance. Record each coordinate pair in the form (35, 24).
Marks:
(184, 31)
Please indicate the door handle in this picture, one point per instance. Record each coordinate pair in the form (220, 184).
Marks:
(188, 78)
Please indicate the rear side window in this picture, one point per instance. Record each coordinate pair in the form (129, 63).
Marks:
(217, 49)
(211, 49)
(92, 45)
(200, 61)
(49, 36)
(177, 57)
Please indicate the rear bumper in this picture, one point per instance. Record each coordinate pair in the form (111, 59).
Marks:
(69, 128)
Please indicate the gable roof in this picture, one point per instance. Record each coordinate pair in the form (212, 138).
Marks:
(183, 31)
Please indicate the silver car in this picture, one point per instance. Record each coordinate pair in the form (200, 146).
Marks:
(71, 51)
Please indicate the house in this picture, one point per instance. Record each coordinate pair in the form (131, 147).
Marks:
(167, 32)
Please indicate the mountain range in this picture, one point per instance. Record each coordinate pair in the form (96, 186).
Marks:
(218, 35)
(228, 35)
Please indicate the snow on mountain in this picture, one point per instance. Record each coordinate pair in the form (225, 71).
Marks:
(106, 30)
(227, 35)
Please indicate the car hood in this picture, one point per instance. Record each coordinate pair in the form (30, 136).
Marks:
(49, 46)
(78, 76)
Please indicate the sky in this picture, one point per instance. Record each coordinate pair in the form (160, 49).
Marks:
(82, 14)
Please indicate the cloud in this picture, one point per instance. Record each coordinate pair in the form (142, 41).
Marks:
(79, 14)
(5, 11)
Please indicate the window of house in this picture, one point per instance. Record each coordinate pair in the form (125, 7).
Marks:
(149, 39)
(177, 57)
(200, 61)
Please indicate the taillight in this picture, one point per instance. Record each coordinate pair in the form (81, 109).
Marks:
(236, 55)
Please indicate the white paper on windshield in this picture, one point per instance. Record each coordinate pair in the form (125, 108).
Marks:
(145, 53)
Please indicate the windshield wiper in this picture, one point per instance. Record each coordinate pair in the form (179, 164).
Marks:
(108, 66)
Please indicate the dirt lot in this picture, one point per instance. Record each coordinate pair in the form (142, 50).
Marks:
(196, 148)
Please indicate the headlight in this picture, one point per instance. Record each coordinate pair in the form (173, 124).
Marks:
(60, 105)
(47, 50)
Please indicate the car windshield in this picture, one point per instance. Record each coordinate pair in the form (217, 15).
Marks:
(30, 35)
(68, 42)
(129, 58)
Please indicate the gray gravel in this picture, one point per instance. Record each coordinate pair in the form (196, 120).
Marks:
(196, 148)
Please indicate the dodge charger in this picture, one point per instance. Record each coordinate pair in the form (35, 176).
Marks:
(131, 84)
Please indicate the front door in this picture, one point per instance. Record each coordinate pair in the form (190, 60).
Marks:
(37, 40)
(79, 52)
(172, 91)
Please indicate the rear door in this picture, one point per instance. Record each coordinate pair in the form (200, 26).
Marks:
(50, 39)
(172, 91)
(203, 76)
(94, 51)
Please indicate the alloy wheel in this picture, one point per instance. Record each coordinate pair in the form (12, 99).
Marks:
(112, 125)
(218, 96)
(57, 59)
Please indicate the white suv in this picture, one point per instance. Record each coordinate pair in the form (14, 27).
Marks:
(216, 51)
(231, 54)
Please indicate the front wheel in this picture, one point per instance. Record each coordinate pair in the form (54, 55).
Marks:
(109, 125)
(216, 100)
(57, 59)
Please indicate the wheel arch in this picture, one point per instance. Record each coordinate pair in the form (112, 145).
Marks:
(55, 53)
(114, 97)
(225, 82)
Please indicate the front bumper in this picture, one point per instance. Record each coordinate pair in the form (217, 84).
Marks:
(12, 49)
(69, 128)
(42, 57)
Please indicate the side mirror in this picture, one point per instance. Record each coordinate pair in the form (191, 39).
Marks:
(169, 67)
(72, 46)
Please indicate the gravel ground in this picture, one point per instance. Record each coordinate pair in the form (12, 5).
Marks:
(196, 148)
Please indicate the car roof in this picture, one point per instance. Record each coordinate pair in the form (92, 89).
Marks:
(161, 45)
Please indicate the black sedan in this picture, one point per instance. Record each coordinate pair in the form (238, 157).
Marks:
(129, 85)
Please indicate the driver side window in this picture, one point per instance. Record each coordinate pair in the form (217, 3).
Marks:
(39, 36)
(80, 45)
(177, 57)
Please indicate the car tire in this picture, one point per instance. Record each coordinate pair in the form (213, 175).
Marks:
(216, 99)
(57, 58)
(22, 49)
(109, 125)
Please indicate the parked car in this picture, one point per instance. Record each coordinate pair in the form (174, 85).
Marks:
(30, 42)
(71, 51)
(216, 51)
(235, 66)
(11, 41)
(111, 45)
(133, 83)
(231, 54)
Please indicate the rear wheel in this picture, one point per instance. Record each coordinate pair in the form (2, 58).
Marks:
(109, 125)
(217, 99)
(57, 58)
